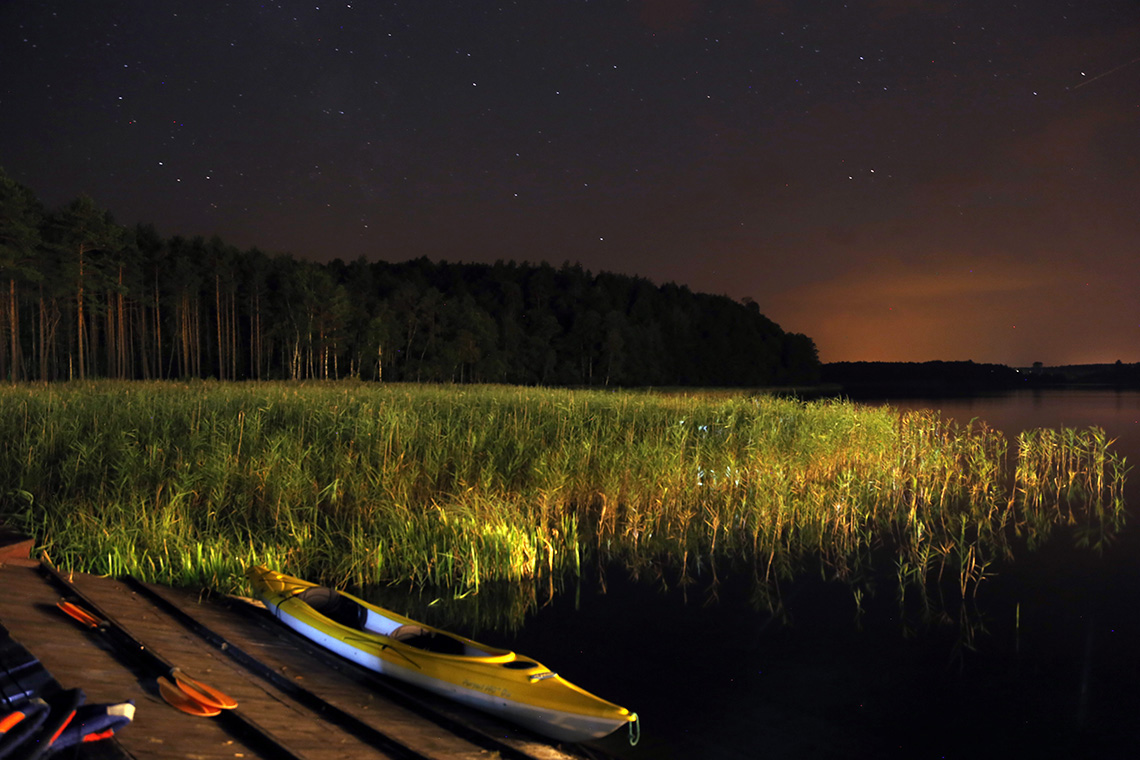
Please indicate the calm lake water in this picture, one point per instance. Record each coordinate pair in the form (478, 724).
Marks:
(1051, 668)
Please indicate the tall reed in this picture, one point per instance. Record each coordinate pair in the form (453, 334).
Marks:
(460, 485)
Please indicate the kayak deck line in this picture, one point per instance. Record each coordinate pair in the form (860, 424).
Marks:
(346, 720)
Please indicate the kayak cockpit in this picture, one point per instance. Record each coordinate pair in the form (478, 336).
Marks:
(346, 611)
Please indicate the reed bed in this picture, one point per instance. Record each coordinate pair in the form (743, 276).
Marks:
(457, 486)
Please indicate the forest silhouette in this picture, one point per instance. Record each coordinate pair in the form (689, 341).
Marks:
(83, 297)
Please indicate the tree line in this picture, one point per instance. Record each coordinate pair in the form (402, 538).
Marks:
(83, 297)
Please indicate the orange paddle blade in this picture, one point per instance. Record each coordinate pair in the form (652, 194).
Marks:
(179, 700)
(78, 613)
(203, 693)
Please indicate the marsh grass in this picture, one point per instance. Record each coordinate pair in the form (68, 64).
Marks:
(457, 486)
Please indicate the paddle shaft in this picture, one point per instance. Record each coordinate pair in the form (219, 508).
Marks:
(131, 649)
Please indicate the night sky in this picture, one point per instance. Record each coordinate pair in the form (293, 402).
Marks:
(901, 180)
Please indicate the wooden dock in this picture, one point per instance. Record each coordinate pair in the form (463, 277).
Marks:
(305, 700)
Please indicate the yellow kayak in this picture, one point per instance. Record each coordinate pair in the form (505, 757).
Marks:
(497, 681)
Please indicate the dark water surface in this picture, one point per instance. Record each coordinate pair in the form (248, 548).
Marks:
(1048, 665)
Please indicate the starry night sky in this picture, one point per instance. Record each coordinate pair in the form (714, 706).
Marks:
(901, 180)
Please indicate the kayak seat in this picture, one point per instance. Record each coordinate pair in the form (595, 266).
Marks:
(408, 631)
(335, 606)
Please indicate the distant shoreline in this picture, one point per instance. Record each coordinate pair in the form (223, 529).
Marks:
(967, 378)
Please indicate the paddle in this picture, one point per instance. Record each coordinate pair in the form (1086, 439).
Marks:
(180, 700)
(201, 692)
(77, 612)
(175, 692)
(184, 693)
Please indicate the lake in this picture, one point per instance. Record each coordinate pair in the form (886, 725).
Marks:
(1042, 663)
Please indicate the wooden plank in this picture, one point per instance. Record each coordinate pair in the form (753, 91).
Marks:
(15, 549)
(27, 608)
(298, 727)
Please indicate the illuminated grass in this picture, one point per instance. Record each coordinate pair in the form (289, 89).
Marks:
(460, 485)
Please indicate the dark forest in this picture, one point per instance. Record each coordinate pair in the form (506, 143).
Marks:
(83, 297)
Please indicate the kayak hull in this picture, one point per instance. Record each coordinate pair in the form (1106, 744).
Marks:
(493, 680)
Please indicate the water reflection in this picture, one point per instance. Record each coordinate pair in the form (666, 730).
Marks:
(881, 654)
(502, 607)
(987, 503)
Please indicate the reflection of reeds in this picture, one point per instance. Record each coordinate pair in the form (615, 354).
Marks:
(464, 485)
(1069, 476)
